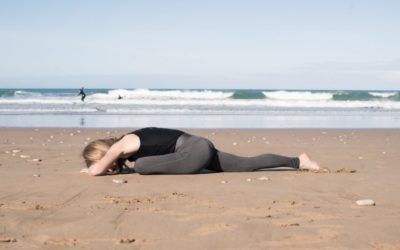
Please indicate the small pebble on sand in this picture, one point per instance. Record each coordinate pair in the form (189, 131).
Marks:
(223, 182)
(51, 137)
(127, 241)
(31, 138)
(37, 160)
(71, 134)
(16, 151)
(78, 131)
(25, 156)
(61, 142)
(88, 138)
(7, 152)
(248, 141)
(248, 179)
(263, 178)
(384, 152)
(360, 157)
(119, 181)
(365, 202)
(234, 143)
(36, 175)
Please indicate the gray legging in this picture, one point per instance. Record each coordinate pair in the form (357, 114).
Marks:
(194, 153)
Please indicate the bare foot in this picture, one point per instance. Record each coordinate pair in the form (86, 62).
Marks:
(307, 164)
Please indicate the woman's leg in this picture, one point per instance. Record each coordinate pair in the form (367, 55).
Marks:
(234, 163)
(192, 154)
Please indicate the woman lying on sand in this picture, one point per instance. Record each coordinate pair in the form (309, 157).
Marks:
(170, 151)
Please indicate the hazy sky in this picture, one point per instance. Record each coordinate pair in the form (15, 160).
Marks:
(341, 44)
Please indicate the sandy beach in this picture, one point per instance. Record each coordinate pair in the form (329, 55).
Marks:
(45, 203)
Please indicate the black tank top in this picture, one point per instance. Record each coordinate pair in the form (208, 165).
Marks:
(155, 141)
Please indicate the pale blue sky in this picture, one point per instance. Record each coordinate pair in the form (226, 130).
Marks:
(341, 44)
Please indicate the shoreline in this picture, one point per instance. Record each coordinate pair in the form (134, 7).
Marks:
(48, 204)
(389, 120)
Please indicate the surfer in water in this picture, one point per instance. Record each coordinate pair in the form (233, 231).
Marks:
(82, 93)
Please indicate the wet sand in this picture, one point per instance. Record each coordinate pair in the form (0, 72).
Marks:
(46, 204)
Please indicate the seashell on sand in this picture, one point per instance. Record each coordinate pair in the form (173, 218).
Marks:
(25, 156)
(119, 181)
(263, 178)
(16, 151)
(365, 202)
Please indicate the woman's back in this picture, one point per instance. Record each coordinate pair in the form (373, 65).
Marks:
(155, 141)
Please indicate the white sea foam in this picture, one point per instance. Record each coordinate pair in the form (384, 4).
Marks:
(165, 94)
(22, 93)
(298, 95)
(383, 94)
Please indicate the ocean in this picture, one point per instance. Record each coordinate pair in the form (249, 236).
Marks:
(200, 108)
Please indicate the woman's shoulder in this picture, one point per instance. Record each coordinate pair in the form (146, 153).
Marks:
(129, 144)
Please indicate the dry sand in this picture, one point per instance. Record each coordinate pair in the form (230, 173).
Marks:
(46, 204)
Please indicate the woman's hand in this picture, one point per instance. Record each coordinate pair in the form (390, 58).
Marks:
(84, 170)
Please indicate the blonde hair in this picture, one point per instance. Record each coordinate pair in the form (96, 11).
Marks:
(96, 149)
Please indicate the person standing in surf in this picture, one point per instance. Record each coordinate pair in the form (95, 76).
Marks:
(82, 93)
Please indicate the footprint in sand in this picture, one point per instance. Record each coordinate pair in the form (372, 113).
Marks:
(56, 242)
(7, 240)
(213, 228)
(132, 241)
(23, 205)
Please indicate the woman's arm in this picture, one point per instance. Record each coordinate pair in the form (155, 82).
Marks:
(128, 145)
